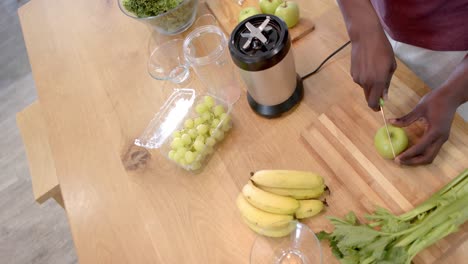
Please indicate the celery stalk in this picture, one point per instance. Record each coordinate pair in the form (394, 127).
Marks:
(397, 239)
(432, 201)
(438, 217)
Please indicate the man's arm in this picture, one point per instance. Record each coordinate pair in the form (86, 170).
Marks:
(437, 109)
(456, 86)
(372, 58)
(360, 17)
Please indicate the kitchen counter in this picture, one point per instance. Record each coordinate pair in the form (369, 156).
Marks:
(89, 66)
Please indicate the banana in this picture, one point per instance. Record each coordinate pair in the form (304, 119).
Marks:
(271, 232)
(269, 202)
(287, 179)
(299, 194)
(309, 208)
(261, 218)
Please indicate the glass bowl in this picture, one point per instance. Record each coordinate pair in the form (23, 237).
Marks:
(171, 22)
(301, 246)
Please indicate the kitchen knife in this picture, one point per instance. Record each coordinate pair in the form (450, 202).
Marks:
(381, 101)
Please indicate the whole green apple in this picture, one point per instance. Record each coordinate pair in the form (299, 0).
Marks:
(248, 12)
(289, 12)
(399, 141)
(269, 6)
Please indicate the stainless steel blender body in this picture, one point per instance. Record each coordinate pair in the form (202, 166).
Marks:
(261, 48)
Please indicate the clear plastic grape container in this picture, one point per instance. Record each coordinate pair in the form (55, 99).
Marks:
(188, 128)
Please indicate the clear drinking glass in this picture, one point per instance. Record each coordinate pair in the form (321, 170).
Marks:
(166, 57)
(301, 246)
(206, 50)
(167, 62)
(205, 20)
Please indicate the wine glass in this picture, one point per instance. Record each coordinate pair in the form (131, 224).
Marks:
(301, 246)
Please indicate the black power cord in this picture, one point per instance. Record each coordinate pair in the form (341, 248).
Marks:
(323, 62)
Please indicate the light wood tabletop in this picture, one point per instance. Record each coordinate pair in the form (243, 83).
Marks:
(89, 66)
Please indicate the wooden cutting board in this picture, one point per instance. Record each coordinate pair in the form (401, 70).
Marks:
(227, 12)
(342, 141)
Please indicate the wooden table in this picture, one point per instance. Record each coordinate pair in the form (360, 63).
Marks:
(89, 65)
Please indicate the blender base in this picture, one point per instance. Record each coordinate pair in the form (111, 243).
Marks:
(272, 111)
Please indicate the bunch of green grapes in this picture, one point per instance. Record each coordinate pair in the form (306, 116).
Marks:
(196, 140)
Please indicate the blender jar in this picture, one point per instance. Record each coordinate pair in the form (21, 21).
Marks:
(206, 50)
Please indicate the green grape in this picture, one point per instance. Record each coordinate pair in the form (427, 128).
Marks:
(178, 155)
(202, 129)
(181, 151)
(183, 162)
(209, 101)
(218, 110)
(186, 139)
(197, 155)
(189, 157)
(177, 143)
(212, 131)
(227, 126)
(188, 123)
(201, 108)
(225, 117)
(206, 116)
(171, 154)
(210, 141)
(219, 135)
(196, 165)
(198, 121)
(193, 133)
(176, 134)
(202, 155)
(198, 145)
(200, 138)
(215, 122)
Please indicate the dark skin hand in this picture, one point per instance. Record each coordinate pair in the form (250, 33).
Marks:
(372, 59)
(437, 110)
(372, 67)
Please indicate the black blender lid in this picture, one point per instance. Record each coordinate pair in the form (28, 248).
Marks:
(247, 48)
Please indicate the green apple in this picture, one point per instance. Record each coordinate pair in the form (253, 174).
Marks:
(248, 12)
(269, 6)
(399, 141)
(289, 12)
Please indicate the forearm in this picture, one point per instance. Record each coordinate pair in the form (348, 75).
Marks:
(455, 88)
(360, 18)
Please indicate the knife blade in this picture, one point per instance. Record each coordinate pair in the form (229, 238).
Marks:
(381, 101)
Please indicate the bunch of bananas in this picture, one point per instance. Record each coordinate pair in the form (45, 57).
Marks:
(272, 199)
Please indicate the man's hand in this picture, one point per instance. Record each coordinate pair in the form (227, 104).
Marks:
(372, 66)
(372, 58)
(437, 112)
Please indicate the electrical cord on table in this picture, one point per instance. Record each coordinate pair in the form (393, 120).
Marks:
(323, 62)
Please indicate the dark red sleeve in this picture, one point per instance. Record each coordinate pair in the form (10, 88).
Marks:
(432, 24)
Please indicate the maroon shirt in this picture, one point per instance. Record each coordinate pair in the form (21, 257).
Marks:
(432, 24)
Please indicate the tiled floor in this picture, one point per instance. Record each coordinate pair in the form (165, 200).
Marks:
(29, 233)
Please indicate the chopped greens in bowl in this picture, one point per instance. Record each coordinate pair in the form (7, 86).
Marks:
(148, 8)
(166, 16)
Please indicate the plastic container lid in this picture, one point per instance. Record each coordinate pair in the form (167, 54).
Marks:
(166, 121)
